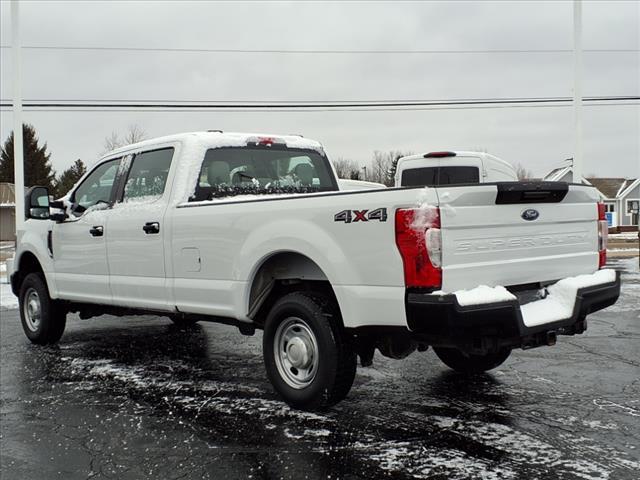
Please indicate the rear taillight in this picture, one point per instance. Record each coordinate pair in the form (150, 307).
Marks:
(420, 245)
(603, 234)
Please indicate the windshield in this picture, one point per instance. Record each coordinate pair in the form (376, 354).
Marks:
(235, 171)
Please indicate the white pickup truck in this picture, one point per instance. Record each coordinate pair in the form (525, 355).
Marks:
(252, 230)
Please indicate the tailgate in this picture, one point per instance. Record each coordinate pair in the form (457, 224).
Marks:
(514, 233)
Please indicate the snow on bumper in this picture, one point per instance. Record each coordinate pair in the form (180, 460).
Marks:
(495, 312)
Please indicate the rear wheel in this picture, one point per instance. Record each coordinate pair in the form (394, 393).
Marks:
(43, 320)
(470, 363)
(308, 355)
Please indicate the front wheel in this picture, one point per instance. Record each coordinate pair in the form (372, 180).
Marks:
(469, 363)
(43, 320)
(308, 355)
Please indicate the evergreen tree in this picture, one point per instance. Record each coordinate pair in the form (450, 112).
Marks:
(69, 177)
(37, 166)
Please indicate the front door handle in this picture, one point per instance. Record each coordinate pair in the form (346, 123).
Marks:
(151, 227)
(97, 231)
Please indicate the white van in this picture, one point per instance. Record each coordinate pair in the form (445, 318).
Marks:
(448, 168)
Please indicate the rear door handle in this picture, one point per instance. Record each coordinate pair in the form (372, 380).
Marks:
(151, 227)
(97, 231)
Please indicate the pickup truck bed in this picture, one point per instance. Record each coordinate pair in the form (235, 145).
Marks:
(252, 230)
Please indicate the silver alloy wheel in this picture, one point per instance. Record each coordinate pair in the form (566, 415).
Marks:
(32, 309)
(296, 352)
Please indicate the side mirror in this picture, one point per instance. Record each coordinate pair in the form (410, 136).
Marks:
(58, 216)
(37, 203)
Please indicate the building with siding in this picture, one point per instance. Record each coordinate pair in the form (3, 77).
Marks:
(7, 212)
(621, 196)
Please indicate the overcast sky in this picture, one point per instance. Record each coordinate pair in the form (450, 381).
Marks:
(538, 138)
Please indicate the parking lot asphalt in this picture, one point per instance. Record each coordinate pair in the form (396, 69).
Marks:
(137, 397)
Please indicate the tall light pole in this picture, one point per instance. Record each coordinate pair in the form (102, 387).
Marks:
(578, 159)
(18, 155)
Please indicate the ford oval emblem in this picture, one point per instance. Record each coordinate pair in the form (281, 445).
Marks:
(530, 214)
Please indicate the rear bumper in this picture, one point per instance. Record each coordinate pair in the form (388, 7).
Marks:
(441, 320)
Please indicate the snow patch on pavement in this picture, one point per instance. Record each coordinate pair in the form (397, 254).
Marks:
(8, 301)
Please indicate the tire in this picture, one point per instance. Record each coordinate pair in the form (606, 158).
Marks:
(43, 319)
(308, 355)
(463, 363)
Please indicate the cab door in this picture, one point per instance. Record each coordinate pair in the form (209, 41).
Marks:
(79, 246)
(135, 233)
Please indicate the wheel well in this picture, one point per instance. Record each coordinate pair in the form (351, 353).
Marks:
(280, 274)
(28, 264)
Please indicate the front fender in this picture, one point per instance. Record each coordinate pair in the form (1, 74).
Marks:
(34, 241)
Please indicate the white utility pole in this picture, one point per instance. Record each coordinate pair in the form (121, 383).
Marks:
(578, 158)
(18, 155)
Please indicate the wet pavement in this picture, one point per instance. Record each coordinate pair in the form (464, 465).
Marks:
(132, 398)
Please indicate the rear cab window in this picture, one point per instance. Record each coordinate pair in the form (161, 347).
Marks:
(434, 176)
(233, 171)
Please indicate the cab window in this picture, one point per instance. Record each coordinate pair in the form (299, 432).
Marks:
(97, 187)
(434, 176)
(232, 171)
(148, 174)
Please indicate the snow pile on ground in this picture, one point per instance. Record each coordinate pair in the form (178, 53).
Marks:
(560, 301)
(8, 301)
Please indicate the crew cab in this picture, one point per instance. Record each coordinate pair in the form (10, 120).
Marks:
(252, 230)
(450, 168)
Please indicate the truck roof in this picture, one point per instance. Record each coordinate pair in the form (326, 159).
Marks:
(218, 138)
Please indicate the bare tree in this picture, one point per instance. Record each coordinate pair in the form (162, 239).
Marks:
(134, 134)
(383, 166)
(344, 167)
(111, 142)
(523, 173)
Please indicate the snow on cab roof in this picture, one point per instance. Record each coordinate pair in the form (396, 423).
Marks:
(194, 147)
(218, 139)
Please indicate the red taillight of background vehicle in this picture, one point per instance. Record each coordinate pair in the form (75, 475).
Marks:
(419, 244)
(603, 234)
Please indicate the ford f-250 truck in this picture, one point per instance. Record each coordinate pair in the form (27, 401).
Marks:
(252, 230)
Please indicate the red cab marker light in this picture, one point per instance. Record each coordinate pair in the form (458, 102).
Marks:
(265, 141)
